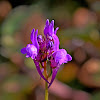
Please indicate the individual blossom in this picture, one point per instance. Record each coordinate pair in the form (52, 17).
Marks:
(46, 49)
(58, 58)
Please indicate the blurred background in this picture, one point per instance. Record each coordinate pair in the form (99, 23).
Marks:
(79, 34)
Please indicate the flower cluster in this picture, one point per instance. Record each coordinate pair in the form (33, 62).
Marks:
(46, 49)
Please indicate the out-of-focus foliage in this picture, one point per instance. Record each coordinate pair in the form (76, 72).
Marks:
(79, 34)
(96, 96)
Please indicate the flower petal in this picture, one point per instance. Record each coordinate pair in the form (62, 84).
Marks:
(27, 56)
(35, 40)
(56, 30)
(69, 57)
(54, 73)
(56, 42)
(32, 36)
(52, 22)
(47, 22)
(51, 29)
(23, 50)
(46, 30)
(39, 70)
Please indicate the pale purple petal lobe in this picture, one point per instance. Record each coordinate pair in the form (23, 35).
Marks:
(47, 22)
(27, 56)
(56, 30)
(36, 41)
(69, 57)
(32, 36)
(23, 50)
(56, 42)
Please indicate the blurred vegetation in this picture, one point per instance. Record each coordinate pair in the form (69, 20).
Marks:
(79, 34)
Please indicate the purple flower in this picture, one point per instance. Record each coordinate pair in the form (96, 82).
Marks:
(44, 49)
(30, 50)
(60, 57)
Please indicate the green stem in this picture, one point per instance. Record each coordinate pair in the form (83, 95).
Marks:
(46, 90)
(46, 84)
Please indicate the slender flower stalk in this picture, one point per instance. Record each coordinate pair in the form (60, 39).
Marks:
(46, 84)
(46, 90)
(46, 49)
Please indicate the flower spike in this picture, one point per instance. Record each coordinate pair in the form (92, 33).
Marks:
(44, 49)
